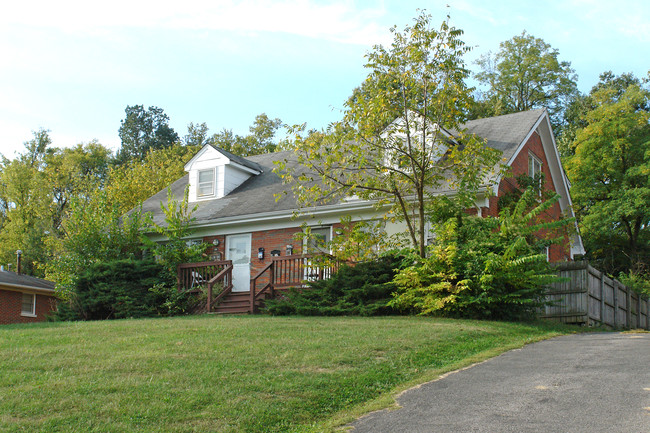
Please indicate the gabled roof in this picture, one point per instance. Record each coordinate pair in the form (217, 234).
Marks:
(256, 197)
(245, 164)
(21, 281)
(506, 133)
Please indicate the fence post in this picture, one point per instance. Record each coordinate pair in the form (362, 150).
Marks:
(615, 288)
(647, 316)
(638, 310)
(602, 298)
(628, 302)
(178, 277)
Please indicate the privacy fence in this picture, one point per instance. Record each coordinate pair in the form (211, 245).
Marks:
(590, 297)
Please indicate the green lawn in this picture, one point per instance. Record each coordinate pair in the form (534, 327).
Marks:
(229, 374)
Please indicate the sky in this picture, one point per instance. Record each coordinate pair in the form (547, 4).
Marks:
(72, 66)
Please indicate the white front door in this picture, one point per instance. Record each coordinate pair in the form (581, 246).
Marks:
(238, 249)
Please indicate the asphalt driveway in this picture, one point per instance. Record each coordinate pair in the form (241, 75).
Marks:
(579, 383)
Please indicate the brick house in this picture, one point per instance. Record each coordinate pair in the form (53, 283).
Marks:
(25, 299)
(238, 215)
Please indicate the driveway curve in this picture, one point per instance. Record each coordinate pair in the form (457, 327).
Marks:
(596, 382)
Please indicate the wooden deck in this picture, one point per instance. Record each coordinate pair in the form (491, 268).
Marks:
(281, 273)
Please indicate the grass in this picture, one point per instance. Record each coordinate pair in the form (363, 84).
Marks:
(229, 374)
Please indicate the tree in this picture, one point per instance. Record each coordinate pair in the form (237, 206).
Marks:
(142, 130)
(260, 140)
(79, 171)
(197, 135)
(26, 201)
(523, 75)
(398, 164)
(581, 104)
(131, 183)
(609, 169)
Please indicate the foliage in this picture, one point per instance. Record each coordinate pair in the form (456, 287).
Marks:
(259, 141)
(580, 105)
(132, 183)
(174, 302)
(609, 168)
(391, 146)
(363, 289)
(524, 74)
(488, 268)
(116, 289)
(94, 232)
(142, 130)
(176, 229)
(637, 280)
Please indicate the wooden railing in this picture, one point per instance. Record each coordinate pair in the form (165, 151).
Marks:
(280, 273)
(193, 275)
(196, 276)
(225, 278)
(291, 271)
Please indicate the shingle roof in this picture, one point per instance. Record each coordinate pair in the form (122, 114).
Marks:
(258, 194)
(238, 159)
(506, 132)
(26, 281)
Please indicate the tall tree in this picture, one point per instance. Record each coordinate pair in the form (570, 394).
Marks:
(420, 80)
(524, 74)
(576, 111)
(142, 130)
(132, 183)
(260, 140)
(609, 168)
(197, 135)
(26, 220)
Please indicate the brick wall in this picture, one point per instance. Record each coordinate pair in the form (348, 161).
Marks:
(559, 252)
(11, 303)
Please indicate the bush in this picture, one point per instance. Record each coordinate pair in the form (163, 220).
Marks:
(116, 289)
(487, 268)
(363, 290)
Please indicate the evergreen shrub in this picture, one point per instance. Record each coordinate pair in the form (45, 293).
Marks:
(363, 289)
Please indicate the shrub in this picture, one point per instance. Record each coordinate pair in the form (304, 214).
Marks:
(116, 289)
(488, 268)
(363, 290)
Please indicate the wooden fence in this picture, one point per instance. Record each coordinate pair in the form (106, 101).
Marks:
(590, 297)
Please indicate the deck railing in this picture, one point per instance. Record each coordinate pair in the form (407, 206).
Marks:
(280, 273)
(206, 275)
(193, 275)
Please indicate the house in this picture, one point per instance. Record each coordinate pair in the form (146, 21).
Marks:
(239, 216)
(25, 299)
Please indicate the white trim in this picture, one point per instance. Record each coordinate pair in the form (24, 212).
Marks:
(28, 289)
(200, 196)
(31, 313)
(244, 168)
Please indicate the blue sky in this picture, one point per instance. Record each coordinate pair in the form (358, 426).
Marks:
(72, 66)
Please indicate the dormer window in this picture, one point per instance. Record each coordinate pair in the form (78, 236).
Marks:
(206, 183)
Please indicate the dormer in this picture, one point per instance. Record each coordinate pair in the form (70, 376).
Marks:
(437, 141)
(214, 173)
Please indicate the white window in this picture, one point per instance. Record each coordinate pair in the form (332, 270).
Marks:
(535, 170)
(29, 305)
(206, 183)
(534, 166)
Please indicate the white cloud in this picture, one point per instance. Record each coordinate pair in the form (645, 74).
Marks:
(341, 21)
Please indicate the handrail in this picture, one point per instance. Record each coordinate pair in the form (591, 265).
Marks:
(253, 283)
(227, 288)
(198, 274)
